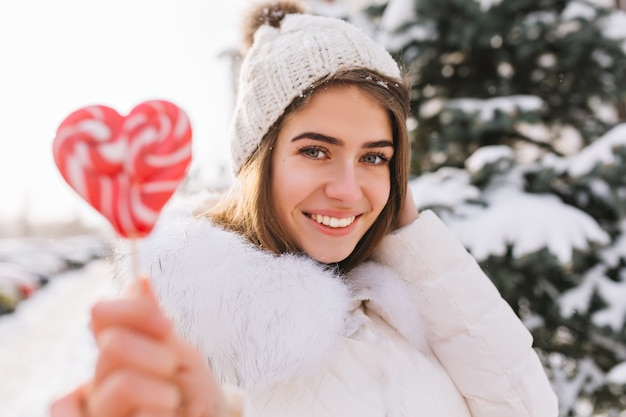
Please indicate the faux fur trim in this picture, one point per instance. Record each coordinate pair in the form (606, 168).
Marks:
(261, 318)
(393, 299)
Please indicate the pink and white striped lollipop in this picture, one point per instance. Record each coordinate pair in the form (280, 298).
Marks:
(128, 167)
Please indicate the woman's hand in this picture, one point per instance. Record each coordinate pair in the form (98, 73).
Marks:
(143, 368)
(409, 212)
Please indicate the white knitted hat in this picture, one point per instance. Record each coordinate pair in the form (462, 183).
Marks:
(283, 63)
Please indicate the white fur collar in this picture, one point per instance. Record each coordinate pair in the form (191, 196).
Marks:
(261, 318)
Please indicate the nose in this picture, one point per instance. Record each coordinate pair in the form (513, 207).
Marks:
(343, 184)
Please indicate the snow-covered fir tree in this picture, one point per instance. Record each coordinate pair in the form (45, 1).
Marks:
(518, 143)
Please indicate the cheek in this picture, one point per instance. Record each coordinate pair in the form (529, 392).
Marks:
(378, 189)
(383, 195)
(289, 185)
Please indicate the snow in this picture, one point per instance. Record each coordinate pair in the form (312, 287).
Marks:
(431, 107)
(45, 346)
(578, 10)
(578, 299)
(536, 131)
(617, 251)
(614, 25)
(614, 314)
(547, 60)
(395, 41)
(447, 187)
(528, 223)
(504, 214)
(617, 375)
(485, 110)
(603, 110)
(545, 18)
(585, 379)
(600, 188)
(398, 13)
(485, 5)
(488, 155)
(600, 152)
(325, 8)
(603, 59)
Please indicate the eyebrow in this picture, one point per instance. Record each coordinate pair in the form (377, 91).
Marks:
(335, 141)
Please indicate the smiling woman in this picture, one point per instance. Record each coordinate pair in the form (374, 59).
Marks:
(384, 100)
(334, 174)
(313, 287)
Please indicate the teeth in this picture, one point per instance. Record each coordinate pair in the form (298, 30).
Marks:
(333, 222)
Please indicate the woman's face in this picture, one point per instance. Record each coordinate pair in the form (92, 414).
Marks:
(330, 171)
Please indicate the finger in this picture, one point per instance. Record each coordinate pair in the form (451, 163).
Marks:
(408, 213)
(201, 394)
(70, 405)
(122, 347)
(126, 391)
(74, 403)
(139, 314)
(155, 413)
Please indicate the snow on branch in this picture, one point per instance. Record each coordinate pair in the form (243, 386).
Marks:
(578, 299)
(488, 155)
(602, 151)
(617, 251)
(528, 223)
(485, 110)
(614, 25)
(485, 5)
(447, 187)
(617, 374)
(397, 14)
(578, 10)
(587, 377)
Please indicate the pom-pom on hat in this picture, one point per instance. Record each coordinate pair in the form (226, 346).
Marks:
(290, 52)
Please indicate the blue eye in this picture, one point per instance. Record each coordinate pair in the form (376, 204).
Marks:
(375, 159)
(313, 152)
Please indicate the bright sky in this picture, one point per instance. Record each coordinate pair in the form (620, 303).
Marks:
(57, 56)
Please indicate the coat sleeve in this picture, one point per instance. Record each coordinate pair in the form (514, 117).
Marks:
(475, 334)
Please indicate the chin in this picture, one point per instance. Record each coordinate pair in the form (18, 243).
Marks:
(328, 258)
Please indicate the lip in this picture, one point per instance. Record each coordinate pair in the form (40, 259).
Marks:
(330, 231)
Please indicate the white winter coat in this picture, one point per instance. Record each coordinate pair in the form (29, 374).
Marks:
(417, 331)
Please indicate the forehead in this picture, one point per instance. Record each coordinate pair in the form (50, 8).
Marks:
(343, 109)
(334, 88)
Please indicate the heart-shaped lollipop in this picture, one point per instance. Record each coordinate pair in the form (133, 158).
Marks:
(128, 167)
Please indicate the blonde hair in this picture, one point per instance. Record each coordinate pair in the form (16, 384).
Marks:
(247, 206)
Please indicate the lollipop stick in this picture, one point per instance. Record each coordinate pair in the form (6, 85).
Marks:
(134, 258)
(140, 279)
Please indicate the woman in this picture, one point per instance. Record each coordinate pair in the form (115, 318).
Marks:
(313, 288)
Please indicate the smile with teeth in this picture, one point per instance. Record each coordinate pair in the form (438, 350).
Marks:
(333, 222)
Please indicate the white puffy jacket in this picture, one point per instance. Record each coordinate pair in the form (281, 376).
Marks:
(417, 331)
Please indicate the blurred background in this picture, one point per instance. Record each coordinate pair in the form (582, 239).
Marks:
(63, 55)
(518, 139)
